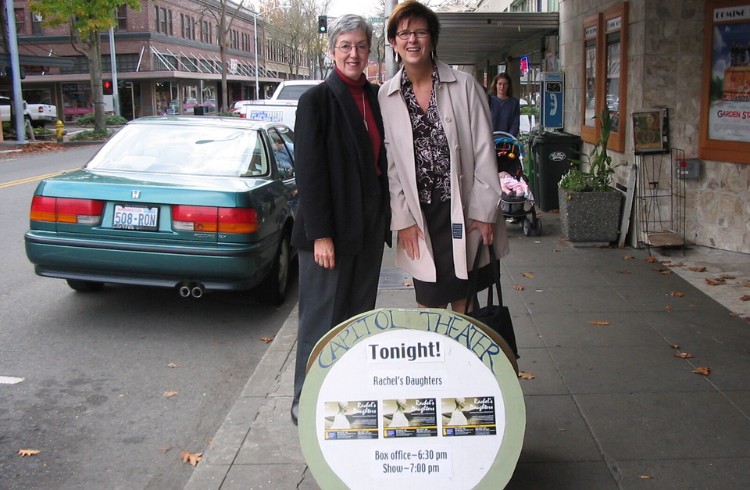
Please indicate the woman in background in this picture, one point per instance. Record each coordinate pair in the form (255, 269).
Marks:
(504, 108)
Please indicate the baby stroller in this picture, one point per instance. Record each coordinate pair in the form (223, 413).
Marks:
(516, 201)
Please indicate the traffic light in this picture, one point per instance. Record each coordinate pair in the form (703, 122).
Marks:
(322, 24)
(107, 88)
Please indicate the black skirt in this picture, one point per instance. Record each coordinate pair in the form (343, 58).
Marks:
(448, 287)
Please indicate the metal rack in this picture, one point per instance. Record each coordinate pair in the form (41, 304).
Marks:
(660, 201)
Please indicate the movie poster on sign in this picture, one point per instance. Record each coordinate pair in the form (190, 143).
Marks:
(410, 417)
(351, 420)
(729, 90)
(472, 416)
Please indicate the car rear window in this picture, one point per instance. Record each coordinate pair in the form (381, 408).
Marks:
(183, 150)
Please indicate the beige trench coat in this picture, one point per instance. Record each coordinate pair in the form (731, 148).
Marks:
(464, 112)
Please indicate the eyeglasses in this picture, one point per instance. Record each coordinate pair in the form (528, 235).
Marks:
(347, 47)
(405, 35)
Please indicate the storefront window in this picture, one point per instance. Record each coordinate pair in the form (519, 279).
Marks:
(605, 74)
(591, 78)
(165, 94)
(77, 100)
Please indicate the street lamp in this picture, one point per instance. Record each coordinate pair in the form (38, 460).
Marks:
(283, 6)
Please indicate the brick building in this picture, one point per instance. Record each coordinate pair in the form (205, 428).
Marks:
(167, 57)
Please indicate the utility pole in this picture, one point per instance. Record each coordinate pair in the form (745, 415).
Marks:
(15, 67)
(113, 64)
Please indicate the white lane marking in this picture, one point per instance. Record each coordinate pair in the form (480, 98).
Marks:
(9, 380)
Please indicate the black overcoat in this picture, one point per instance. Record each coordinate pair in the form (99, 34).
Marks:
(340, 193)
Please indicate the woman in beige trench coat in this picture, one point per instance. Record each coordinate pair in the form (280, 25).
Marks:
(437, 130)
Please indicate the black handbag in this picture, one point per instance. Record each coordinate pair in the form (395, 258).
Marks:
(495, 316)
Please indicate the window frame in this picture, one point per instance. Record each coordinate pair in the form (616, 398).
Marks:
(597, 29)
(726, 150)
(592, 29)
(611, 26)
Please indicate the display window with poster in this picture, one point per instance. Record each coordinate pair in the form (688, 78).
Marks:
(725, 99)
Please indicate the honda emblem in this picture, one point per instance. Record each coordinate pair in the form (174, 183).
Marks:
(135, 194)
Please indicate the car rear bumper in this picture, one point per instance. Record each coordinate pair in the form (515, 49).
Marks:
(231, 267)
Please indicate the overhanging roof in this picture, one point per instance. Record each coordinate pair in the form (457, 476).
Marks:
(477, 38)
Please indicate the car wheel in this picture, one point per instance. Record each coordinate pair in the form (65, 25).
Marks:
(276, 284)
(85, 286)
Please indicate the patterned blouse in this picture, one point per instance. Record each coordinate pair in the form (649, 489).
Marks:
(431, 151)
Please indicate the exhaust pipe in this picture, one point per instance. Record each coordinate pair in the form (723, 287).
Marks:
(197, 290)
(184, 289)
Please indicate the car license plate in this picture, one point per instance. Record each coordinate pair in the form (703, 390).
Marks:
(141, 218)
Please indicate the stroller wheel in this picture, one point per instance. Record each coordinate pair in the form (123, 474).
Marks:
(538, 227)
(526, 227)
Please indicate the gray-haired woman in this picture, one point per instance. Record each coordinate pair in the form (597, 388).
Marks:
(342, 223)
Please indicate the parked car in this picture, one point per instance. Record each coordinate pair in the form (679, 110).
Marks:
(194, 204)
(37, 114)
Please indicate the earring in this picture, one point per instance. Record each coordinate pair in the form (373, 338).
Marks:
(397, 58)
(432, 55)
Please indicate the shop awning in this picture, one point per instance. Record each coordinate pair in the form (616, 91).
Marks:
(480, 38)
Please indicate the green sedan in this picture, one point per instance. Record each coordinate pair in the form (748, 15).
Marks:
(190, 203)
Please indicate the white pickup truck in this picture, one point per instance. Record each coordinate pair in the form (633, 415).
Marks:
(281, 107)
(38, 114)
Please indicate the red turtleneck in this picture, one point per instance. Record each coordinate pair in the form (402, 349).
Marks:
(356, 88)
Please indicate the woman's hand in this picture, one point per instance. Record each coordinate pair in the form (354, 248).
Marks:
(485, 229)
(410, 237)
(324, 254)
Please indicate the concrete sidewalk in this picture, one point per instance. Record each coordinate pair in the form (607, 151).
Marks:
(609, 407)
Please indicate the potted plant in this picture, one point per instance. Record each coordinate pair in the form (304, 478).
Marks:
(589, 205)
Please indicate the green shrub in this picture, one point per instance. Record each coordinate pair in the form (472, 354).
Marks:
(110, 120)
(92, 135)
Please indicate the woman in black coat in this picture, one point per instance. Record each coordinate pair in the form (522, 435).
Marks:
(343, 221)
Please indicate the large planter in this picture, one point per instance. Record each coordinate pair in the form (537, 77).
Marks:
(590, 216)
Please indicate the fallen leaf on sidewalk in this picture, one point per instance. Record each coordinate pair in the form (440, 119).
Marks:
(518, 287)
(647, 477)
(669, 308)
(169, 394)
(28, 452)
(727, 277)
(527, 275)
(715, 281)
(745, 297)
(525, 375)
(192, 458)
(678, 264)
(665, 272)
(697, 269)
(650, 259)
(628, 257)
(557, 250)
(599, 322)
(173, 365)
(675, 346)
(407, 284)
(684, 355)
(703, 371)
(267, 339)
(677, 294)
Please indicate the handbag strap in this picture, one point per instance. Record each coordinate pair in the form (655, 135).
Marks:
(471, 296)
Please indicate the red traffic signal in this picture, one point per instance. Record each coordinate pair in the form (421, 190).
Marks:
(107, 88)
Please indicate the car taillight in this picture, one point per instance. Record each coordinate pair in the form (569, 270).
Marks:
(66, 210)
(212, 219)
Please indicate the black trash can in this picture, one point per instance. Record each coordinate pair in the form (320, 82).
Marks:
(198, 110)
(552, 153)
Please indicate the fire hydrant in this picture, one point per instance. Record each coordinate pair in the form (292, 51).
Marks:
(60, 130)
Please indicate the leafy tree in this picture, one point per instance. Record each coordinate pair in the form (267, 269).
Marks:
(224, 15)
(88, 20)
